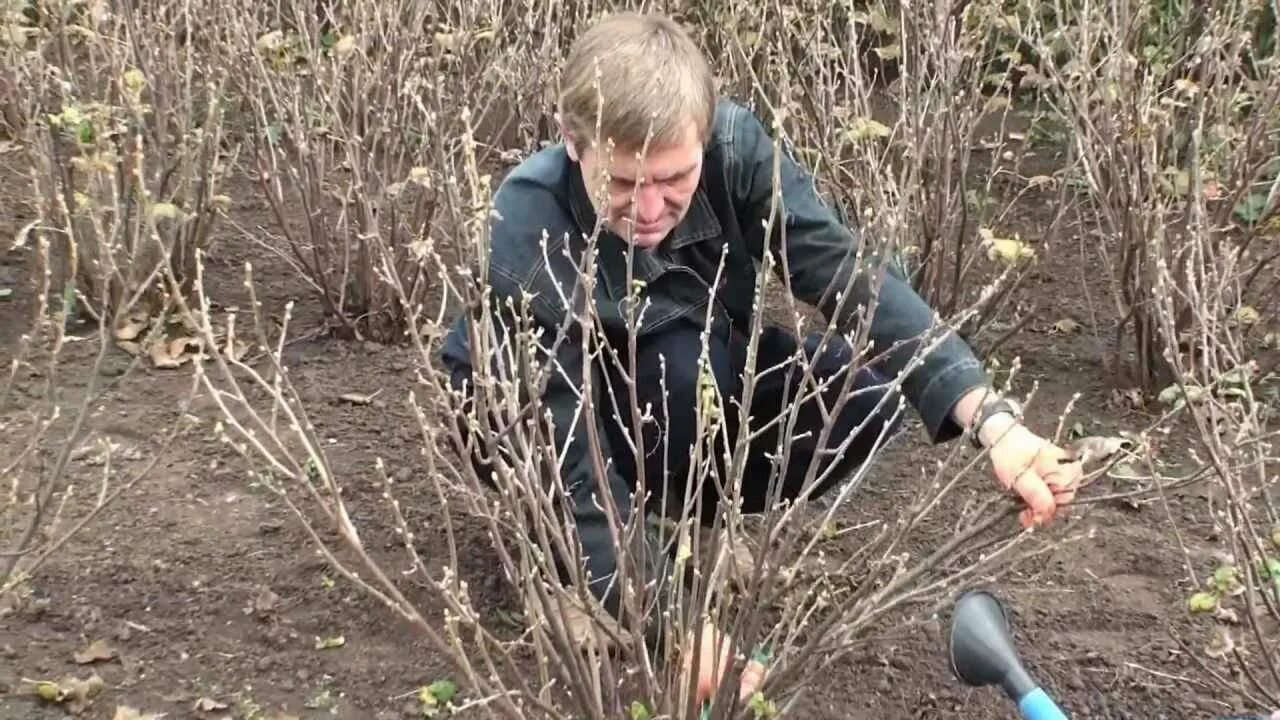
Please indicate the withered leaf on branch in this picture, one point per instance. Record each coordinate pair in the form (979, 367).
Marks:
(1096, 450)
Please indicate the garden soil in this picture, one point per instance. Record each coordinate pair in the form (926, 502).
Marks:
(206, 592)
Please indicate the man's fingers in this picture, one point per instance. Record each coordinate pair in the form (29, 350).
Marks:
(1064, 482)
(711, 669)
(1036, 494)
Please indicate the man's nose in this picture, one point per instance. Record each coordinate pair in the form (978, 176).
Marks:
(649, 203)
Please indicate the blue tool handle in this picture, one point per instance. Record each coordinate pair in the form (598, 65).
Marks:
(1037, 705)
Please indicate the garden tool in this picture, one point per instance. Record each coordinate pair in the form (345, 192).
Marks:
(982, 653)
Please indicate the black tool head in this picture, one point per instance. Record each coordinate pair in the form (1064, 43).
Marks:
(981, 647)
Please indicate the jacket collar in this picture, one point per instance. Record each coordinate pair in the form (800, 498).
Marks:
(700, 223)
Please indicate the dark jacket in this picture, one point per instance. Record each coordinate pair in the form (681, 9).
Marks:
(545, 194)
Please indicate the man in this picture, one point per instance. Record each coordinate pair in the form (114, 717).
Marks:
(706, 184)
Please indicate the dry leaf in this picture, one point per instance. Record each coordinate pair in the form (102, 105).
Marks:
(1221, 644)
(1096, 449)
(357, 398)
(98, 650)
(184, 347)
(75, 692)
(330, 643)
(130, 347)
(160, 357)
(205, 704)
(1131, 398)
(263, 604)
(1008, 250)
(1066, 326)
(131, 326)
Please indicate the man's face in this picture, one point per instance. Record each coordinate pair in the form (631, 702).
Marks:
(645, 200)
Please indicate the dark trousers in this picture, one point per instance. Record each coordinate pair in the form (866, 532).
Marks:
(668, 386)
(866, 419)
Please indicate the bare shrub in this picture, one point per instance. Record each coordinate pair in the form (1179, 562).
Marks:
(347, 108)
(924, 108)
(129, 156)
(120, 155)
(1178, 156)
(1131, 83)
(1231, 403)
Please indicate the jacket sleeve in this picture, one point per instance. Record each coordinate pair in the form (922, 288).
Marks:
(820, 254)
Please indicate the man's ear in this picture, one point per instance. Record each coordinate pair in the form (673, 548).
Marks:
(569, 146)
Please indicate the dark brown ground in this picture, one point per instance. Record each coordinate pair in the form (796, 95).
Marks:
(174, 575)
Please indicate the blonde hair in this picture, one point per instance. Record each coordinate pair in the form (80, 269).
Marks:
(629, 71)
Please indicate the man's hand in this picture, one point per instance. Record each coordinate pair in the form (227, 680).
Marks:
(711, 669)
(1043, 474)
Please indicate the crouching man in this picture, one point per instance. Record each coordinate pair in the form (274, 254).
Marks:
(706, 185)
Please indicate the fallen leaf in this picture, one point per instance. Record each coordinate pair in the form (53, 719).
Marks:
(184, 347)
(1202, 602)
(5, 293)
(1220, 645)
(160, 357)
(71, 690)
(357, 398)
(131, 326)
(1227, 615)
(205, 704)
(1007, 250)
(98, 650)
(1132, 398)
(1066, 326)
(330, 643)
(49, 690)
(264, 603)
